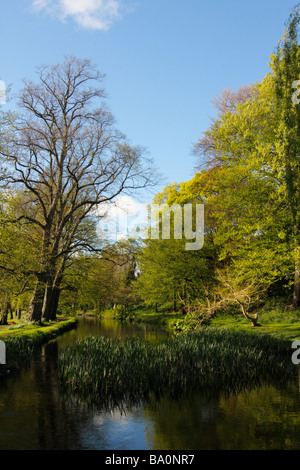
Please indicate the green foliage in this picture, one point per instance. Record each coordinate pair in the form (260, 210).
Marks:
(170, 272)
(19, 252)
(121, 313)
(250, 187)
(100, 280)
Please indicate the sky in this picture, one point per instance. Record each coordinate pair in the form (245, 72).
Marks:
(163, 60)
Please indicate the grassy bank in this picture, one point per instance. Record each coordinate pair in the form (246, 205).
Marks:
(280, 325)
(276, 320)
(22, 339)
(109, 372)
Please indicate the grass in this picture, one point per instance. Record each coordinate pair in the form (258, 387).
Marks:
(110, 372)
(276, 320)
(22, 339)
(17, 327)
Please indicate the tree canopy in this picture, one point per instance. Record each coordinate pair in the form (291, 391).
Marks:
(62, 157)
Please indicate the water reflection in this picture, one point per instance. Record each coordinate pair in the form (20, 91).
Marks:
(94, 326)
(34, 414)
(265, 418)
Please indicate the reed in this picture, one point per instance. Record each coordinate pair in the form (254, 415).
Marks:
(110, 372)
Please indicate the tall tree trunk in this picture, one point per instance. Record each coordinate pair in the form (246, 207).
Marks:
(4, 314)
(296, 293)
(10, 310)
(36, 303)
(51, 300)
(56, 294)
(18, 313)
(48, 301)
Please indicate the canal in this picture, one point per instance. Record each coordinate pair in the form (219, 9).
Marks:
(35, 414)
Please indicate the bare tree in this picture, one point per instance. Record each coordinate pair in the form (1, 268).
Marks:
(67, 157)
(234, 289)
(205, 149)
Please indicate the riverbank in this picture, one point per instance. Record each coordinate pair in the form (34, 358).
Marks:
(22, 339)
(36, 413)
(277, 321)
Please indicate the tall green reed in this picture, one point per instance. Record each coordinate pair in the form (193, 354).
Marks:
(110, 372)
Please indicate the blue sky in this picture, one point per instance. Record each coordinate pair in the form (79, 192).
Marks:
(164, 60)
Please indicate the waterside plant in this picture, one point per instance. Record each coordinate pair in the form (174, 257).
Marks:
(110, 372)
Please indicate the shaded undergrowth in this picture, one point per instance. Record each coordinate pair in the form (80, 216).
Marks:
(110, 372)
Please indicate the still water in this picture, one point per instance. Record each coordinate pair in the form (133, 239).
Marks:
(34, 414)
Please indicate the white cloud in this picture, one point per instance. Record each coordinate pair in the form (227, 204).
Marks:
(89, 14)
(122, 218)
